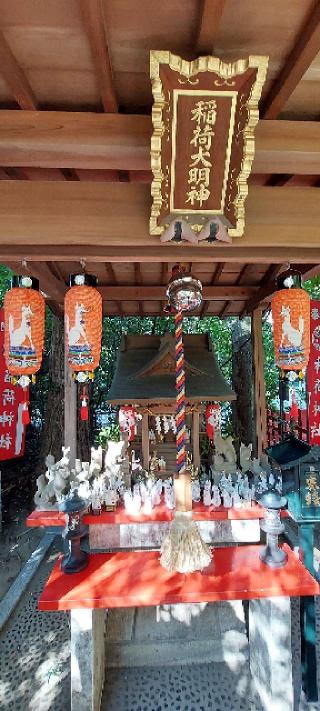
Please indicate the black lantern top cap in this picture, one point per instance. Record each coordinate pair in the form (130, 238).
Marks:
(23, 281)
(290, 279)
(83, 280)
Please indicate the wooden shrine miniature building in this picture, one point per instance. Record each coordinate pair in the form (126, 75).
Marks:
(145, 379)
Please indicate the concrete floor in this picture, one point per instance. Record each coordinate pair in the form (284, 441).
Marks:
(35, 660)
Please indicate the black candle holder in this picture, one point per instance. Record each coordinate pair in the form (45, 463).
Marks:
(76, 559)
(271, 524)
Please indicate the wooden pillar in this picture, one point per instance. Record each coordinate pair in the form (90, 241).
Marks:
(145, 441)
(196, 439)
(70, 412)
(259, 385)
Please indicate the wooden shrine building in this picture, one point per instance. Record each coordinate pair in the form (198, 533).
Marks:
(145, 378)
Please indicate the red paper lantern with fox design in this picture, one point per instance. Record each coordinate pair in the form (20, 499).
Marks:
(24, 312)
(291, 322)
(83, 329)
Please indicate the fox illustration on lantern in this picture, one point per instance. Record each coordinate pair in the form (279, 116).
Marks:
(291, 322)
(83, 328)
(24, 328)
(24, 311)
(83, 325)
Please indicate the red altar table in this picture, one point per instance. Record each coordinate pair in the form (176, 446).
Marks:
(136, 579)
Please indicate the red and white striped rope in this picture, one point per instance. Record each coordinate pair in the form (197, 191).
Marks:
(180, 395)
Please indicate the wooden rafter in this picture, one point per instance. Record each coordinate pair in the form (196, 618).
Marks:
(267, 288)
(138, 280)
(113, 281)
(242, 274)
(95, 27)
(224, 309)
(303, 53)
(16, 174)
(70, 174)
(57, 139)
(15, 77)
(215, 278)
(209, 22)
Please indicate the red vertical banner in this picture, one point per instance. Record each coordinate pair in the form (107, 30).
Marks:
(313, 375)
(12, 397)
(127, 421)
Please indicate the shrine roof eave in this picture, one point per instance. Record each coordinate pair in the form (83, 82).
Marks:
(171, 401)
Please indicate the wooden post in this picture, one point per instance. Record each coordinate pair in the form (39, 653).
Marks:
(259, 385)
(145, 441)
(70, 412)
(196, 439)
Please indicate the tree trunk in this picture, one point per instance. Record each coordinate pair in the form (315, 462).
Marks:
(242, 381)
(53, 434)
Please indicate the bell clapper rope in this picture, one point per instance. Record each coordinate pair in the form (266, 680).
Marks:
(183, 549)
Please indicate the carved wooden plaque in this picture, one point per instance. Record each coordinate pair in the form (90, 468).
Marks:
(202, 148)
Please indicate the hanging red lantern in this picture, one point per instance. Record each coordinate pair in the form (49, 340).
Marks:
(24, 326)
(83, 328)
(291, 322)
(213, 420)
(24, 311)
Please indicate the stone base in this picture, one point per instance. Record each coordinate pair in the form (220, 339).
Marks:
(151, 535)
(270, 652)
(87, 659)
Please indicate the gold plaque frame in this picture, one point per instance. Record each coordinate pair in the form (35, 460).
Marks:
(160, 118)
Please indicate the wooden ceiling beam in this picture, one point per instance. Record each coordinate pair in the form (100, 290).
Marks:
(117, 215)
(153, 253)
(157, 293)
(15, 78)
(95, 27)
(210, 17)
(57, 139)
(303, 53)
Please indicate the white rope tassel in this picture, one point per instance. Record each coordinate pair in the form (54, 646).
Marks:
(183, 549)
